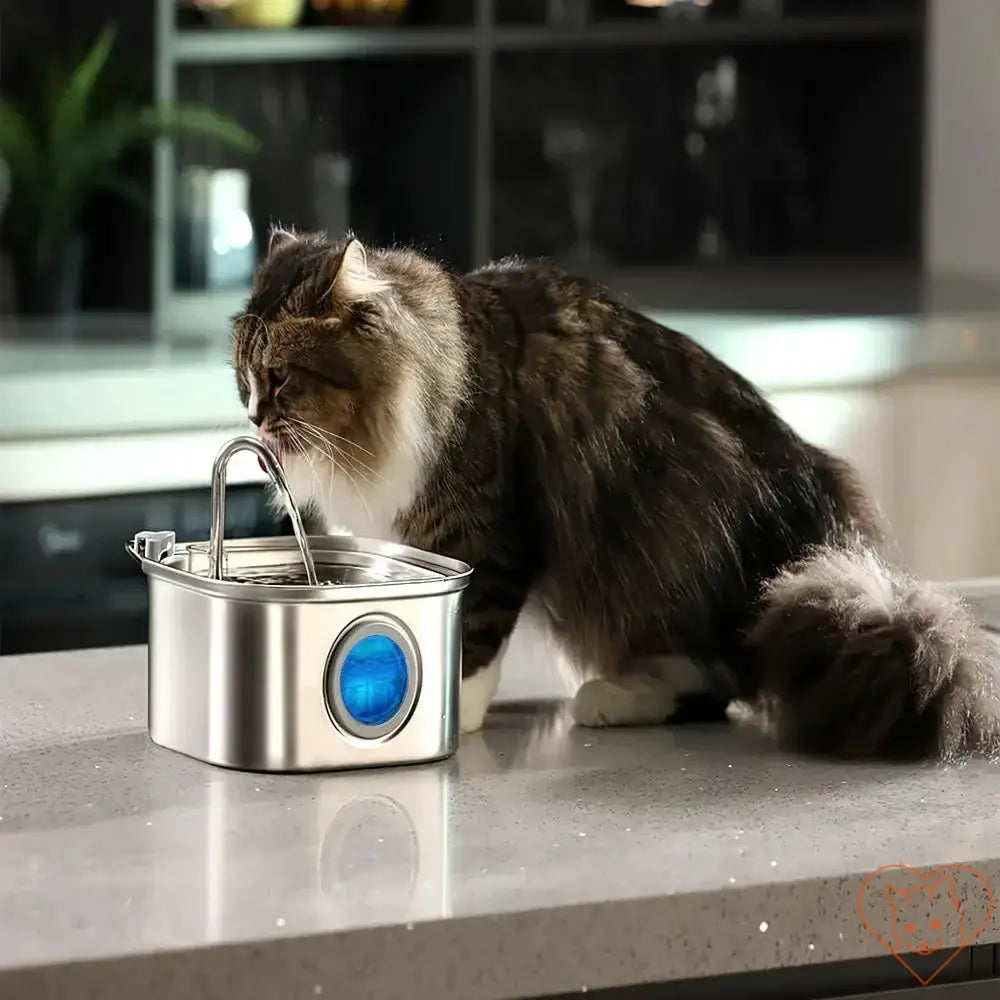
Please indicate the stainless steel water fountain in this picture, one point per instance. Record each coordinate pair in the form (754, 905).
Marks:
(300, 654)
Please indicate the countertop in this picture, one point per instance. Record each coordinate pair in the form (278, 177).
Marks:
(541, 859)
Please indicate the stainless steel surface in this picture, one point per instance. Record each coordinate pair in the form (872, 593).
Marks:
(238, 671)
(354, 564)
(217, 530)
(241, 684)
(248, 641)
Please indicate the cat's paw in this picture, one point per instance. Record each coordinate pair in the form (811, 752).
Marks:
(625, 701)
(475, 697)
(470, 719)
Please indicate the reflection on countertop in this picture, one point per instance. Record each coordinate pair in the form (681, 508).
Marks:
(540, 859)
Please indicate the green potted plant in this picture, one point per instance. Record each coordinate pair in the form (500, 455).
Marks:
(68, 148)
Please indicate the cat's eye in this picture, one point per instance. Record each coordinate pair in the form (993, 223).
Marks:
(910, 928)
(342, 379)
(277, 376)
(935, 924)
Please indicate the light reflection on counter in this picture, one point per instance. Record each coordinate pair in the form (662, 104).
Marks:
(364, 848)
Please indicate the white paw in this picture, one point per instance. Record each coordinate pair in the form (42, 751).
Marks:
(626, 701)
(476, 695)
(470, 717)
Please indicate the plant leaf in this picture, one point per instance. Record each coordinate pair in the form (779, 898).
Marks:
(126, 188)
(126, 128)
(180, 121)
(69, 115)
(74, 151)
(20, 151)
(90, 162)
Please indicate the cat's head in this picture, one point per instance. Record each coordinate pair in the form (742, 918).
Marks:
(341, 351)
(920, 922)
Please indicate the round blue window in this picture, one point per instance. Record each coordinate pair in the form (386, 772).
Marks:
(373, 680)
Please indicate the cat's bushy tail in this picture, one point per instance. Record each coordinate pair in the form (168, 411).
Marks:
(858, 659)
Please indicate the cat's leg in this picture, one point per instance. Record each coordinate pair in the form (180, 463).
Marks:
(650, 690)
(478, 691)
(492, 605)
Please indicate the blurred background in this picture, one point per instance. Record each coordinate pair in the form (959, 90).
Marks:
(808, 187)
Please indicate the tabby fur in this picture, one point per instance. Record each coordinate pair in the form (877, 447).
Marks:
(680, 536)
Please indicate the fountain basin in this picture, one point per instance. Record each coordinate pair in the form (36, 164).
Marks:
(256, 675)
(307, 653)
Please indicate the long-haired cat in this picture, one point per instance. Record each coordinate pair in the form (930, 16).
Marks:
(679, 535)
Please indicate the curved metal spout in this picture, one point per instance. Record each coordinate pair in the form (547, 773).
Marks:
(217, 531)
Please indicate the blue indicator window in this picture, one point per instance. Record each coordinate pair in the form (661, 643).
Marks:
(373, 680)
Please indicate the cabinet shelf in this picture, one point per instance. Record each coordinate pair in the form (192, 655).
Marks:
(727, 31)
(462, 98)
(218, 46)
(222, 45)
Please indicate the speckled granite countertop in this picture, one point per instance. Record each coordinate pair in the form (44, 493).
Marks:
(541, 859)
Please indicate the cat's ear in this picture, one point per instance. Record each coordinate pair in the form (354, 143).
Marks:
(280, 236)
(353, 279)
(947, 883)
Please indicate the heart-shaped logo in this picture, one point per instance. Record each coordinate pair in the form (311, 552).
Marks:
(915, 915)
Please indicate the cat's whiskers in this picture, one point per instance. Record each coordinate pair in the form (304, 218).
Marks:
(259, 333)
(336, 456)
(331, 436)
(317, 444)
(321, 482)
(306, 448)
(370, 475)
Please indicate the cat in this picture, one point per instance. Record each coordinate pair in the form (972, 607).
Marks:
(914, 931)
(681, 538)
